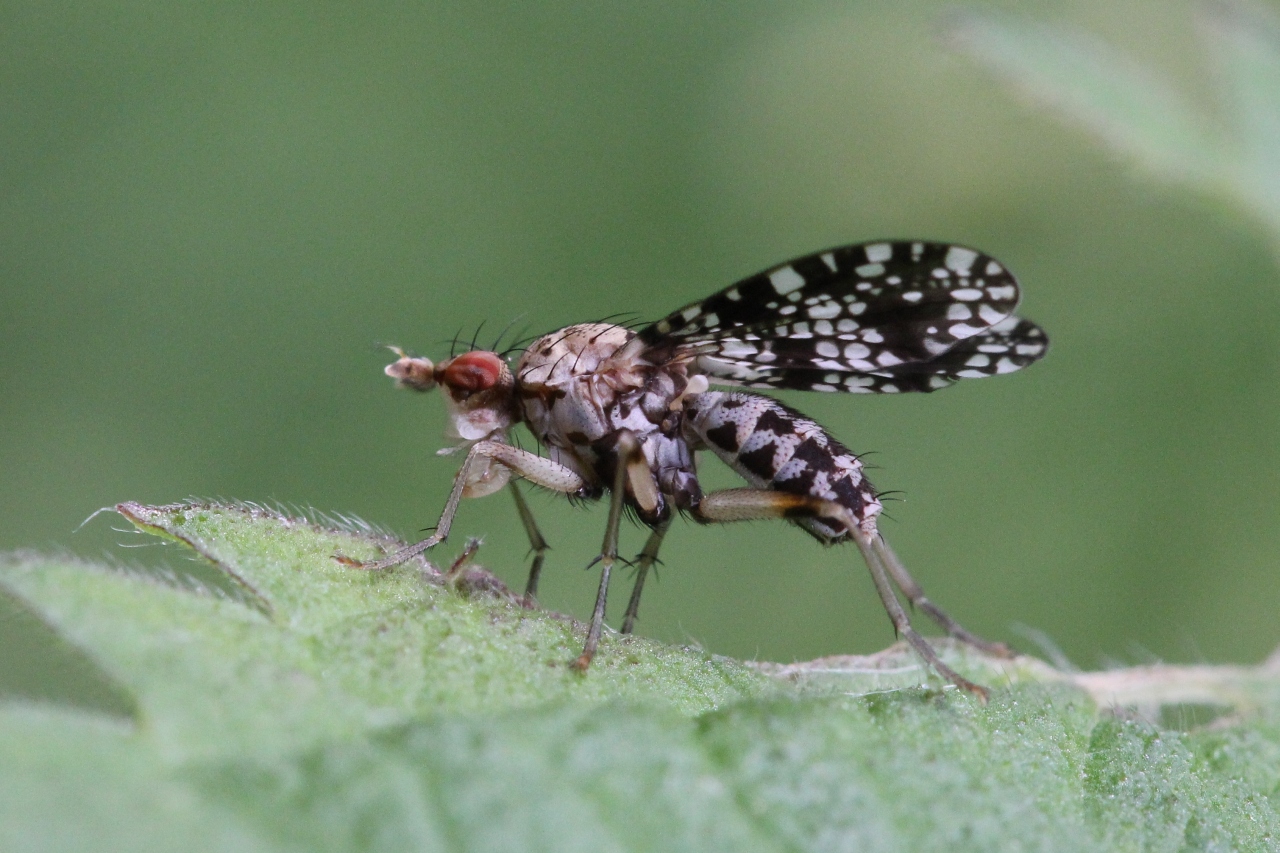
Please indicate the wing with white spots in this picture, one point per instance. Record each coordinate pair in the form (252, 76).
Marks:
(1010, 345)
(873, 318)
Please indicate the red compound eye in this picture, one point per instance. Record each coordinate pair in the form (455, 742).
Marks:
(472, 372)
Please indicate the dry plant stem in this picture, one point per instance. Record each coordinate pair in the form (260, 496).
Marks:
(648, 556)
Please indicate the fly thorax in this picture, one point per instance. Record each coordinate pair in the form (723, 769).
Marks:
(576, 351)
(581, 384)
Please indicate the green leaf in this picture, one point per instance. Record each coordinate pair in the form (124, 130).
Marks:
(319, 707)
(1129, 107)
(1232, 151)
(318, 650)
(76, 781)
(1244, 45)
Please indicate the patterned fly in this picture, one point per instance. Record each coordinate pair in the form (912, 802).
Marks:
(623, 412)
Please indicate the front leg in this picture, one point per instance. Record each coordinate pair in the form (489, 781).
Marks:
(530, 466)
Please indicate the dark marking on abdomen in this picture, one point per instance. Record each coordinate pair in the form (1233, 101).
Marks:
(725, 437)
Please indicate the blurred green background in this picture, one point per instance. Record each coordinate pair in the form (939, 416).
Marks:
(211, 213)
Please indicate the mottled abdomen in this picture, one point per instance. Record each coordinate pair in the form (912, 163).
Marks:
(775, 447)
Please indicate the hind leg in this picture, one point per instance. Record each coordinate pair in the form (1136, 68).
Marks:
(915, 594)
(745, 504)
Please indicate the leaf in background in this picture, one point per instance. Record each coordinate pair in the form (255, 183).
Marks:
(1244, 46)
(1083, 79)
(1140, 114)
(75, 781)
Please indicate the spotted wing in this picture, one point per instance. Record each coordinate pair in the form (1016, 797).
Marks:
(874, 318)
(1010, 345)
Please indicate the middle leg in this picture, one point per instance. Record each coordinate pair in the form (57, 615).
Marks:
(631, 474)
(536, 544)
(648, 556)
